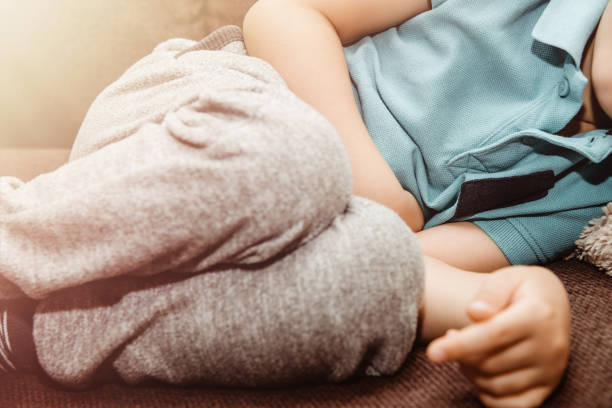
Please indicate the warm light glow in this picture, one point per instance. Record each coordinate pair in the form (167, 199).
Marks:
(58, 55)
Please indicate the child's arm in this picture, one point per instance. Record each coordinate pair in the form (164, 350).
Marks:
(602, 58)
(302, 40)
(462, 245)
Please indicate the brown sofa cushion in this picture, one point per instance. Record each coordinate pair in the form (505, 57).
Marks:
(418, 384)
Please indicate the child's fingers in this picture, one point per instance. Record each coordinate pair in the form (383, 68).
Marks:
(504, 329)
(494, 295)
(512, 383)
(515, 357)
(531, 398)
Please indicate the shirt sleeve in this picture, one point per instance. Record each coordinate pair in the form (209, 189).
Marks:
(538, 239)
(436, 3)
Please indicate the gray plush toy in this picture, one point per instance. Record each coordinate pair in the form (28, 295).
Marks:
(595, 242)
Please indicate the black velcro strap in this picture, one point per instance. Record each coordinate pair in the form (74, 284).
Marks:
(488, 194)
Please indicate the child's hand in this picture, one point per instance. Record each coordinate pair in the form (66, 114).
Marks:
(517, 350)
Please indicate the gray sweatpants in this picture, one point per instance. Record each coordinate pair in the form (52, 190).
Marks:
(204, 231)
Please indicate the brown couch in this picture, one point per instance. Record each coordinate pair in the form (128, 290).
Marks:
(58, 55)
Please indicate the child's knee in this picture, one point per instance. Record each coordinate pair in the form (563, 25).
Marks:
(309, 153)
(266, 155)
(285, 157)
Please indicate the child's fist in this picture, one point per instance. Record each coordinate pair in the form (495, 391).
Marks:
(517, 349)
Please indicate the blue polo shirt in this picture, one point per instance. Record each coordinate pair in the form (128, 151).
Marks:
(464, 102)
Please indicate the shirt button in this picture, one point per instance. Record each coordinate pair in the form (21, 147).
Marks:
(564, 88)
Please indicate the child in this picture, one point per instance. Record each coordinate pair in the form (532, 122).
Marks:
(524, 313)
(460, 114)
(205, 165)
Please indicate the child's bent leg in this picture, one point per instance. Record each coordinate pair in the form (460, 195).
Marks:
(344, 303)
(237, 175)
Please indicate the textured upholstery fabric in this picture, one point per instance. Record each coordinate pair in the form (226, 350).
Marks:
(418, 384)
(58, 55)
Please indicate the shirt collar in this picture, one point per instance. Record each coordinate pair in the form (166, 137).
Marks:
(568, 24)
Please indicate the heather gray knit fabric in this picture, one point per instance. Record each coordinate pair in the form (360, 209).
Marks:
(345, 303)
(202, 162)
(192, 158)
